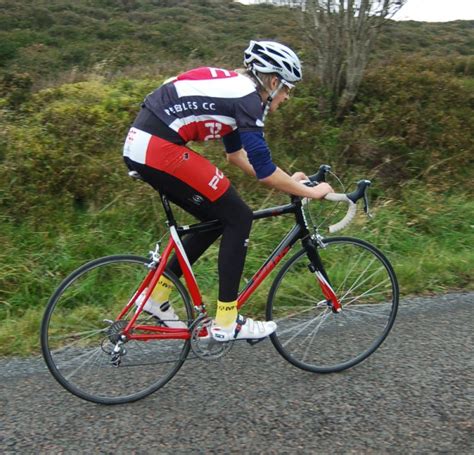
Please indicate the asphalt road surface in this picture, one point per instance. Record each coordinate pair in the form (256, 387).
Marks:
(414, 395)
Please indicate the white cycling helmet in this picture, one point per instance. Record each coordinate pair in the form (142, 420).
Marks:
(272, 57)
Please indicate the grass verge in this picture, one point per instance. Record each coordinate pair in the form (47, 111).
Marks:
(428, 238)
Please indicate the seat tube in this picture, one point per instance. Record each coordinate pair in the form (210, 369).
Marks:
(167, 208)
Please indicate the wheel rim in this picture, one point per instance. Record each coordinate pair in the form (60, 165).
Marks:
(310, 334)
(79, 334)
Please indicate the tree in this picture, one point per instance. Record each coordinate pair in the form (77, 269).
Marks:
(342, 34)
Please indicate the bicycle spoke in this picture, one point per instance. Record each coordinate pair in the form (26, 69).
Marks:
(313, 333)
(299, 291)
(94, 353)
(72, 357)
(89, 334)
(93, 363)
(382, 293)
(304, 325)
(367, 292)
(293, 298)
(162, 362)
(373, 314)
(360, 283)
(356, 282)
(292, 315)
(348, 274)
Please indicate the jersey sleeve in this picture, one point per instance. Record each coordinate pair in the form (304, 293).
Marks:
(249, 113)
(232, 142)
(258, 153)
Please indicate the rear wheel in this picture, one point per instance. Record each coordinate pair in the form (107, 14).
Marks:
(79, 332)
(309, 334)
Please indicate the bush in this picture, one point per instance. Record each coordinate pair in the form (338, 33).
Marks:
(411, 119)
(15, 88)
(8, 50)
(66, 149)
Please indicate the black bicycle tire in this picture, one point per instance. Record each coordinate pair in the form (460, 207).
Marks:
(341, 367)
(50, 308)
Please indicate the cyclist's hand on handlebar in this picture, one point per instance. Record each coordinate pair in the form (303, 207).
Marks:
(321, 190)
(298, 176)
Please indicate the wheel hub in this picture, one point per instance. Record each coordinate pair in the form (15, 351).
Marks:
(115, 331)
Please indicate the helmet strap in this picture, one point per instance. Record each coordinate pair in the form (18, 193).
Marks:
(271, 94)
(269, 100)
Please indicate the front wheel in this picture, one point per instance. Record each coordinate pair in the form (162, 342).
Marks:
(79, 331)
(313, 337)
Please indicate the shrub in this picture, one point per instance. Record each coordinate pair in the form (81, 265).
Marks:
(414, 116)
(66, 149)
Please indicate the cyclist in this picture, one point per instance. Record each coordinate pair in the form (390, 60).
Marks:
(205, 104)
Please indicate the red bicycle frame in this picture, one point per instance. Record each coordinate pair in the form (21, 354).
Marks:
(298, 232)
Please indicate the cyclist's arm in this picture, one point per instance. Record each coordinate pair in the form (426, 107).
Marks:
(268, 173)
(236, 154)
(280, 180)
(240, 159)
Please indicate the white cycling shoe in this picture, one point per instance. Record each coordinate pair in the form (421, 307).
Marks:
(163, 311)
(244, 329)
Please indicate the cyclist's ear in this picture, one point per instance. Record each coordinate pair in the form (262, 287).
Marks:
(275, 82)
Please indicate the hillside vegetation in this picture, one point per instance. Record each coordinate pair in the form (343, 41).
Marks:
(64, 194)
(46, 39)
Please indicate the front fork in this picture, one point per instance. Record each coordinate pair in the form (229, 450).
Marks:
(316, 267)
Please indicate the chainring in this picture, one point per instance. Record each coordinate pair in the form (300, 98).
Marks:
(202, 343)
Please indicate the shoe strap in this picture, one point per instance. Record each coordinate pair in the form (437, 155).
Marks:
(165, 306)
(238, 325)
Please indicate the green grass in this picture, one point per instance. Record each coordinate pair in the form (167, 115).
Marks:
(426, 236)
(468, 83)
(20, 335)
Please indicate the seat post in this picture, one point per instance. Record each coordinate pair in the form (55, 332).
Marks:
(167, 207)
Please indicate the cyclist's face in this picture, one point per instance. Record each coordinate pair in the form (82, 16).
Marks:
(282, 96)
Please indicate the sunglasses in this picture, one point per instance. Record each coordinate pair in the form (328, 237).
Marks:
(289, 87)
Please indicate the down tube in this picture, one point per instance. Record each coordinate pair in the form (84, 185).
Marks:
(277, 255)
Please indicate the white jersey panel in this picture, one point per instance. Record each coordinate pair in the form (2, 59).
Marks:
(180, 122)
(232, 87)
(136, 145)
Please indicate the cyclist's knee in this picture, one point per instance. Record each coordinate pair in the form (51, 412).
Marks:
(240, 214)
(232, 210)
(246, 217)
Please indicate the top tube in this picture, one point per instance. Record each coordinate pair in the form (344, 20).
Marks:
(257, 215)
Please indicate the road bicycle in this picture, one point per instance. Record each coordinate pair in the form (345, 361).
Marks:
(335, 301)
